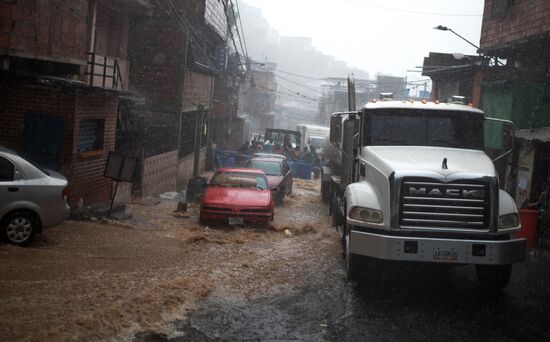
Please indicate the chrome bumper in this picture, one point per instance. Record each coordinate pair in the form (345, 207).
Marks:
(393, 248)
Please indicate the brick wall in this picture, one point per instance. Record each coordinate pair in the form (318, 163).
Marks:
(197, 89)
(18, 99)
(87, 179)
(41, 28)
(214, 15)
(156, 51)
(525, 19)
(84, 172)
(159, 173)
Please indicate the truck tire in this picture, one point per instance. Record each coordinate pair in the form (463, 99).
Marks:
(494, 277)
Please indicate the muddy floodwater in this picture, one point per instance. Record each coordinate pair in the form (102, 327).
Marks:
(112, 280)
(162, 276)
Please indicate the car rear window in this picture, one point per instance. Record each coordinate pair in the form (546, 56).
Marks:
(239, 180)
(271, 168)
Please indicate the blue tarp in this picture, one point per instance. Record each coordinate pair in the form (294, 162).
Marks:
(299, 168)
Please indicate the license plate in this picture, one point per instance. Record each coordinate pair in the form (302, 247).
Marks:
(445, 254)
(235, 220)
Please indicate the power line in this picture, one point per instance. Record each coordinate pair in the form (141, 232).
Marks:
(411, 11)
(186, 28)
(242, 31)
(231, 31)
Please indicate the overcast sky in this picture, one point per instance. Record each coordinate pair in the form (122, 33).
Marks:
(390, 36)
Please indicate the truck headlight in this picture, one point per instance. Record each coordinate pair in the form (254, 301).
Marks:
(508, 221)
(366, 215)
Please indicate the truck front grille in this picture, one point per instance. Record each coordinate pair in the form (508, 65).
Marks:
(431, 204)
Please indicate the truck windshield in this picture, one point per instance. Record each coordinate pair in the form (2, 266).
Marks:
(407, 127)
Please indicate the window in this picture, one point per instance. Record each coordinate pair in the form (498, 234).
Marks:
(499, 7)
(90, 136)
(239, 180)
(270, 168)
(424, 128)
(7, 170)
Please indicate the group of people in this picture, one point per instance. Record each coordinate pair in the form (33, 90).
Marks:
(281, 146)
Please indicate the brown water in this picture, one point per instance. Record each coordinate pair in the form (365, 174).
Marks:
(108, 280)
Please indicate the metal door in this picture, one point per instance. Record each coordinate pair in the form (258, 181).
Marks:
(43, 139)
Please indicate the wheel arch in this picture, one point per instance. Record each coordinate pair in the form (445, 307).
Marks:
(30, 211)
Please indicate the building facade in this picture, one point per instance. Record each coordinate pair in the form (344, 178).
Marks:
(518, 87)
(132, 76)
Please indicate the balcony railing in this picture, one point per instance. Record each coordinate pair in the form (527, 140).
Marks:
(104, 72)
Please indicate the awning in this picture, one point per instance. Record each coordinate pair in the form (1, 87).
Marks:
(540, 134)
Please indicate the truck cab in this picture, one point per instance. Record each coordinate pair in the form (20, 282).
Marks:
(415, 184)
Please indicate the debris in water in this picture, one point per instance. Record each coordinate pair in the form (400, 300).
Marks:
(170, 195)
(182, 206)
(288, 232)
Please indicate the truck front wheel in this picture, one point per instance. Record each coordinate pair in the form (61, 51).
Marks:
(494, 277)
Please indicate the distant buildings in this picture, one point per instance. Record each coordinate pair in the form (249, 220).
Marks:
(334, 96)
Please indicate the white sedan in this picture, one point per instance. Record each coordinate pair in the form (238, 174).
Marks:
(31, 198)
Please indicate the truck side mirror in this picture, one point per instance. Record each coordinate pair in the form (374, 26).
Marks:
(499, 137)
(336, 129)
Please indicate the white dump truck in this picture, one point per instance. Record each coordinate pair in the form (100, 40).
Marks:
(313, 135)
(413, 183)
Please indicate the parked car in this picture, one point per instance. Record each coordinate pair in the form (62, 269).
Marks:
(237, 196)
(279, 176)
(31, 198)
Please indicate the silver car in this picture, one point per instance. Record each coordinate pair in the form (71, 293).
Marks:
(30, 198)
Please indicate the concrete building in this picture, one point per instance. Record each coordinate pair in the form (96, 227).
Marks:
(454, 74)
(518, 32)
(257, 96)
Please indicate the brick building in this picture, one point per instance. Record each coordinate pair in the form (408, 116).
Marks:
(454, 74)
(173, 68)
(53, 109)
(518, 32)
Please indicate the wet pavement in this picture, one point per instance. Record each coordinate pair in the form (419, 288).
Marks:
(397, 302)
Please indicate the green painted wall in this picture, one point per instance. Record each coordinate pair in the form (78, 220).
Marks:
(528, 108)
(522, 103)
(496, 102)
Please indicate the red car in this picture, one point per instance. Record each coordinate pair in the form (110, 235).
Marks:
(237, 196)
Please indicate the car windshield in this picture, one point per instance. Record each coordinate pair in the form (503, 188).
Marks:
(424, 128)
(239, 180)
(271, 168)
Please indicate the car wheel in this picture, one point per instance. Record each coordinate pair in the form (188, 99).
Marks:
(19, 228)
(493, 277)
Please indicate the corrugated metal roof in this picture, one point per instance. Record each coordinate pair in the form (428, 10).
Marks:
(540, 134)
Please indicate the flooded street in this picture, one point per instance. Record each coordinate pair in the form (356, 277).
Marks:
(163, 276)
